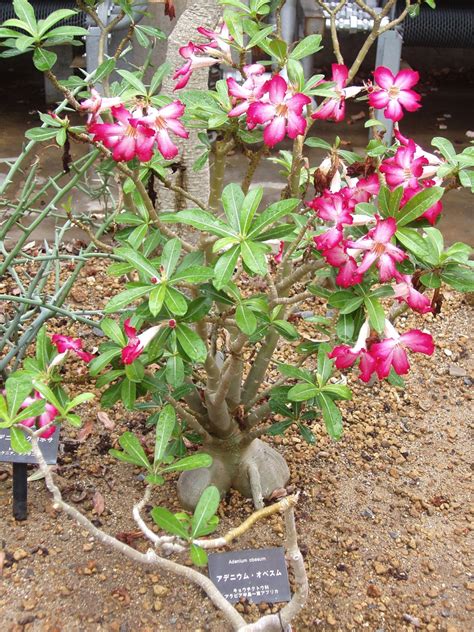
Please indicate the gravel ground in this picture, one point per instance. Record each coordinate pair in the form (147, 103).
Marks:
(384, 517)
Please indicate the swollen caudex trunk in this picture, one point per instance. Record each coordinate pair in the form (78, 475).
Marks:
(254, 469)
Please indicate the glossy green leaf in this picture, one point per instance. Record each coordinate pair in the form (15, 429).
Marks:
(132, 446)
(18, 441)
(332, 416)
(164, 430)
(168, 522)
(205, 509)
(245, 319)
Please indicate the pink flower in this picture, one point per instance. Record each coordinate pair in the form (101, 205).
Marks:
(391, 351)
(251, 90)
(66, 343)
(362, 191)
(194, 60)
(128, 137)
(164, 120)
(204, 55)
(339, 257)
(332, 207)
(395, 92)
(136, 344)
(97, 104)
(346, 356)
(379, 249)
(279, 255)
(335, 109)
(430, 214)
(283, 114)
(44, 419)
(404, 291)
(433, 162)
(404, 169)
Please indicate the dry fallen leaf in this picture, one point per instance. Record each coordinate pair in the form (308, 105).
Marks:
(105, 420)
(99, 503)
(2, 561)
(85, 431)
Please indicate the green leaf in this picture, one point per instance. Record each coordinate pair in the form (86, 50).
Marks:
(431, 280)
(44, 59)
(199, 219)
(394, 379)
(418, 204)
(40, 134)
(132, 446)
(317, 142)
(104, 70)
(101, 361)
(54, 18)
(345, 327)
(33, 410)
(306, 433)
(198, 555)
(113, 331)
(351, 305)
(309, 45)
(174, 371)
(232, 200)
(340, 298)
(191, 343)
(279, 427)
(325, 364)
(332, 416)
(128, 393)
(434, 239)
(461, 279)
(67, 33)
(168, 522)
(176, 302)
(245, 319)
(249, 208)
(125, 298)
(82, 398)
(338, 391)
(193, 274)
(272, 214)
(205, 509)
(164, 430)
(157, 298)
(445, 147)
(413, 241)
(193, 462)
(296, 373)
(286, 329)
(133, 81)
(26, 13)
(376, 313)
(224, 267)
(302, 392)
(18, 441)
(138, 261)
(135, 371)
(161, 72)
(170, 256)
(17, 387)
(254, 256)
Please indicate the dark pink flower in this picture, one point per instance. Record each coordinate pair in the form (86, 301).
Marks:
(66, 343)
(335, 109)
(404, 169)
(338, 257)
(404, 291)
(433, 162)
(346, 356)
(279, 255)
(395, 92)
(128, 137)
(251, 90)
(379, 249)
(283, 115)
(332, 207)
(164, 120)
(391, 351)
(136, 343)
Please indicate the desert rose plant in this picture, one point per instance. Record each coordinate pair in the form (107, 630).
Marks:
(213, 289)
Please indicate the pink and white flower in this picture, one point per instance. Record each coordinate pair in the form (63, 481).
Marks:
(251, 90)
(433, 161)
(128, 137)
(136, 344)
(339, 257)
(164, 120)
(391, 352)
(204, 55)
(66, 343)
(395, 92)
(335, 108)
(331, 207)
(346, 356)
(42, 420)
(279, 255)
(404, 169)
(97, 104)
(361, 190)
(379, 249)
(283, 115)
(404, 291)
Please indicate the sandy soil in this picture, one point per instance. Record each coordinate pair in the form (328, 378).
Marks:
(384, 517)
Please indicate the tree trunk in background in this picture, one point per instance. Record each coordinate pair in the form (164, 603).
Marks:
(198, 13)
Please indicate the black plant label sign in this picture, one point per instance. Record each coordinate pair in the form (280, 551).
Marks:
(49, 448)
(255, 575)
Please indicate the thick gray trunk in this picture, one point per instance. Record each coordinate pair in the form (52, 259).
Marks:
(201, 13)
